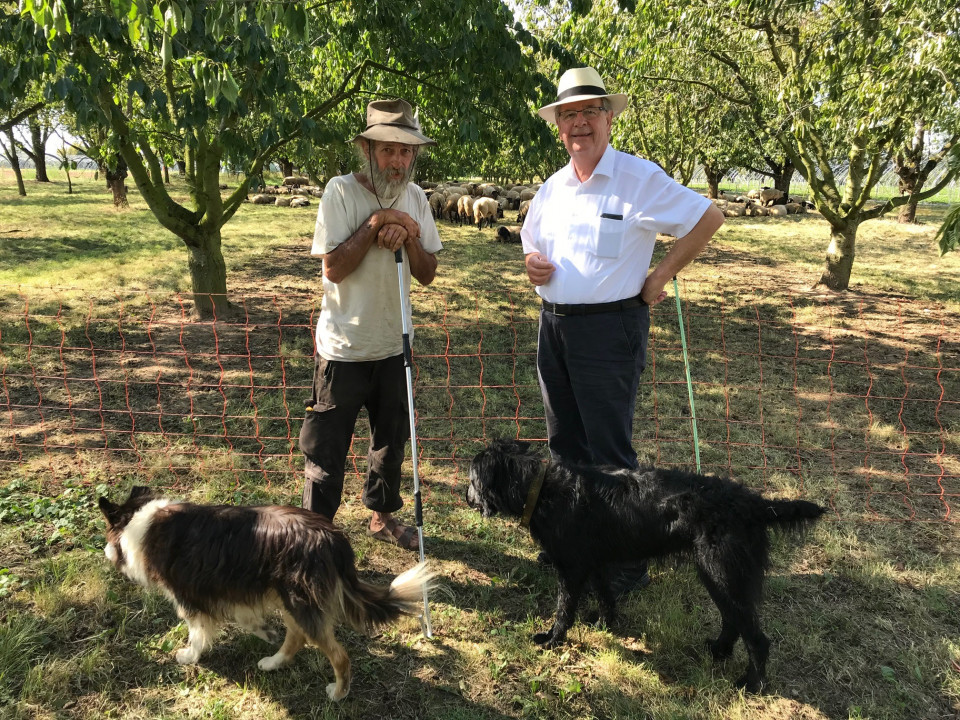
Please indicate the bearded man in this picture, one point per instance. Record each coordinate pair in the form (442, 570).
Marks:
(363, 219)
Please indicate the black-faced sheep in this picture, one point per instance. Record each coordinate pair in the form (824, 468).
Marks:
(513, 199)
(489, 190)
(508, 234)
(450, 211)
(437, 200)
(465, 208)
(485, 210)
(769, 196)
(522, 213)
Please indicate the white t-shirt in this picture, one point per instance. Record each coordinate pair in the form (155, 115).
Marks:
(360, 316)
(600, 234)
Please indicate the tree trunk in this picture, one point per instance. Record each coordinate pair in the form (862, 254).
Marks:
(166, 174)
(119, 189)
(781, 180)
(15, 163)
(39, 152)
(839, 262)
(714, 176)
(208, 274)
(181, 168)
(907, 164)
(286, 167)
(713, 186)
(908, 212)
(115, 181)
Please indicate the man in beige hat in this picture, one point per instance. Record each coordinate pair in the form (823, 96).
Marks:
(588, 239)
(363, 219)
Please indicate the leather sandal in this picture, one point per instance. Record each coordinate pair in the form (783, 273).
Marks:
(394, 533)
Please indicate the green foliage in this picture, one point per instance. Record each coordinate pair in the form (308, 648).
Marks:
(64, 518)
(836, 85)
(948, 236)
(221, 82)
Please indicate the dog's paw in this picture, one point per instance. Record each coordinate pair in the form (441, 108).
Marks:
(273, 662)
(591, 617)
(750, 683)
(542, 638)
(187, 656)
(720, 651)
(548, 640)
(335, 693)
(267, 634)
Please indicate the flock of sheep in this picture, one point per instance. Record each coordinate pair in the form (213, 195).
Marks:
(761, 203)
(480, 203)
(294, 192)
(483, 204)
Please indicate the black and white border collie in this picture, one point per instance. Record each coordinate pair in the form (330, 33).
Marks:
(220, 563)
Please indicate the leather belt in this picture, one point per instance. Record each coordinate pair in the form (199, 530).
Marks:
(591, 308)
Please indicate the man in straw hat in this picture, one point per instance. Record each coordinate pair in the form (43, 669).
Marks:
(588, 240)
(363, 219)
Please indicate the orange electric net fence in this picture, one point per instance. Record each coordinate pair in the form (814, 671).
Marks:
(854, 402)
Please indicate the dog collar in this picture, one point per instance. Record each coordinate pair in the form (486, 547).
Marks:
(532, 494)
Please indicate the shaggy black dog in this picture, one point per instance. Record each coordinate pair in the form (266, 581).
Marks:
(588, 519)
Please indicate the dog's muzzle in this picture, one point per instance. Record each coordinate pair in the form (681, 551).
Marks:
(474, 499)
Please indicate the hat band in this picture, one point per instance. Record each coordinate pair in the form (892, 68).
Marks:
(393, 124)
(581, 90)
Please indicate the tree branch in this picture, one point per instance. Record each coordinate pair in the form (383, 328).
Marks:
(20, 116)
(898, 200)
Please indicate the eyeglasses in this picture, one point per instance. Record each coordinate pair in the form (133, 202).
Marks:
(589, 113)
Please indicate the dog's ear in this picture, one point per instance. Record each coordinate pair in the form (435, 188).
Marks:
(138, 492)
(110, 511)
(530, 448)
(120, 514)
(510, 446)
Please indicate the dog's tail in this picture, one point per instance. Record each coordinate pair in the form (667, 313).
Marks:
(367, 607)
(791, 515)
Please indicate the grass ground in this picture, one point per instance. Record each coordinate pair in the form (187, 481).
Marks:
(848, 400)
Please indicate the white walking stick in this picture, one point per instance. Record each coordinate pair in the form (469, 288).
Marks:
(417, 503)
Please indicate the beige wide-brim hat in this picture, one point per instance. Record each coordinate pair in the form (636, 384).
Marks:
(579, 84)
(393, 121)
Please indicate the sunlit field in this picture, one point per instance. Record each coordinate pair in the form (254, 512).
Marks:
(861, 612)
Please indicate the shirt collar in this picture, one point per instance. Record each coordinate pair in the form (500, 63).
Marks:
(604, 167)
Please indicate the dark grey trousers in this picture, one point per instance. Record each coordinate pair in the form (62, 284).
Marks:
(589, 368)
(340, 390)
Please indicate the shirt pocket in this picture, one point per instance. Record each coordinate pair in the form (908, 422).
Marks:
(610, 236)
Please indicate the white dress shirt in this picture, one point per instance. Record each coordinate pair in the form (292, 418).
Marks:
(600, 233)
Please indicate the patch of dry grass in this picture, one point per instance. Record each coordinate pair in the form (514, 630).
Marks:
(848, 400)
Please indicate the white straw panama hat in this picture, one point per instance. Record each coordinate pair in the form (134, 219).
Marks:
(393, 121)
(579, 84)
